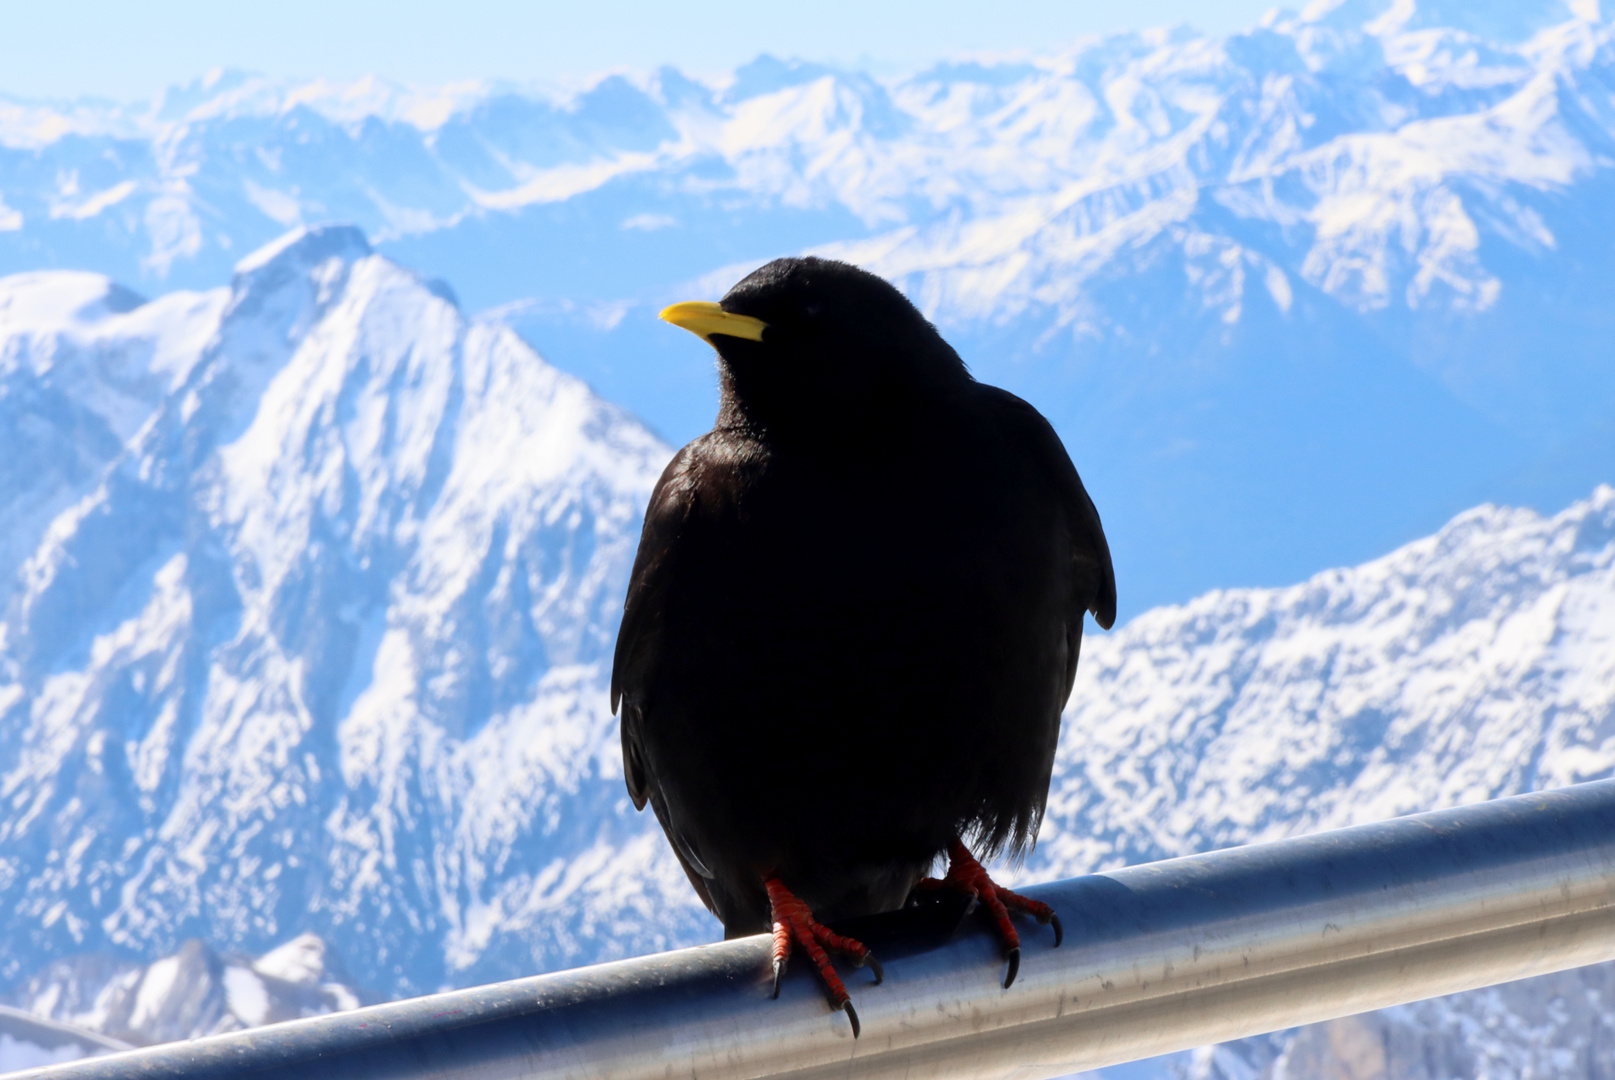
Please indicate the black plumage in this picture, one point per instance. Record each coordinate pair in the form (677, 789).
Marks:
(857, 606)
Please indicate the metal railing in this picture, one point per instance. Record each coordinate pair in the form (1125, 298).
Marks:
(1157, 958)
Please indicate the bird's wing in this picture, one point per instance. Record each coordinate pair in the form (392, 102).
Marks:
(671, 503)
(1094, 579)
(662, 543)
(1091, 587)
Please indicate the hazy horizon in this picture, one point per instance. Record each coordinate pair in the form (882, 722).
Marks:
(103, 50)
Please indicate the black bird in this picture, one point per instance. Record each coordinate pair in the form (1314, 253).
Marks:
(854, 617)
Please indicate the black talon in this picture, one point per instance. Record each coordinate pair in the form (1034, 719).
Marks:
(779, 970)
(852, 1015)
(1059, 932)
(880, 972)
(1014, 966)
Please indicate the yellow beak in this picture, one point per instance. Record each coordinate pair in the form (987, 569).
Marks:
(704, 318)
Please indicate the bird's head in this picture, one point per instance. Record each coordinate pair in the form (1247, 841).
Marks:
(806, 344)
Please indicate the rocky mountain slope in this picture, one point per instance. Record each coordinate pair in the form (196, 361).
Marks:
(1476, 663)
(1294, 296)
(28, 1041)
(321, 647)
(308, 581)
(192, 993)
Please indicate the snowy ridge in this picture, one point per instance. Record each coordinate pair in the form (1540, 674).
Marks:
(1474, 664)
(27, 1041)
(1471, 665)
(324, 648)
(83, 364)
(309, 583)
(1348, 263)
(192, 993)
(1372, 133)
(1348, 125)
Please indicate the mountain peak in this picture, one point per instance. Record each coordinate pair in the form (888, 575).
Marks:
(391, 538)
(1499, 21)
(305, 247)
(768, 73)
(53, 299)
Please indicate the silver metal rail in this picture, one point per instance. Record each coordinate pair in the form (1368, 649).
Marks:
(1156, 958)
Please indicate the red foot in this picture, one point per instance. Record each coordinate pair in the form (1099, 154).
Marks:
(794, 922)
(966, 875)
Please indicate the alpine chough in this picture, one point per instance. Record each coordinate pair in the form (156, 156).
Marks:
(854, 618)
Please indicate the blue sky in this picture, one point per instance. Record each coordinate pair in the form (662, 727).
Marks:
(128, 49)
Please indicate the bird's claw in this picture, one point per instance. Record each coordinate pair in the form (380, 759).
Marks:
(965, 875)
(795, 928)
(1037, 909)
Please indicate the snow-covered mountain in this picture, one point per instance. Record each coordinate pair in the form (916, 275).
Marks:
(308, 582)
(1294, 297)
(192, 993)
(83, 364)
(1473, 664)
(28, 1041)
(320, 648)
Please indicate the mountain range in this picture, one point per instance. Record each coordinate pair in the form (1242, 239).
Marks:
(188, 994)
(317, 644)
(311, 562)
(1293, 297)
